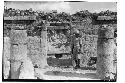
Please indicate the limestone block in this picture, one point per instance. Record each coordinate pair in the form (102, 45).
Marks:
(18, 36)
(84, 60)
(44, 48)
(6, 48)
(106, 32)
(105, 53)
(19, 52)
(18, 44)
(34, 50)
(27, 70)
(6, 68)
(15, 69)
(6, 57)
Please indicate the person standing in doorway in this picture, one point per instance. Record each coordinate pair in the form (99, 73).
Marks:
(75, 48)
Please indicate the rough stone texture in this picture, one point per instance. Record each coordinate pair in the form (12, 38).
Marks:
(15, 69)
(43, 50)
(27, 70)
(18, 51)
(18, 36)
(89, 48)
(37, 49)
(6, 57)
(34, 51)
(105, 51)
(57, 41)
(89, 45)
(18, 45)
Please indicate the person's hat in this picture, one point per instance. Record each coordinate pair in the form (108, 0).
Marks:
(75, 31)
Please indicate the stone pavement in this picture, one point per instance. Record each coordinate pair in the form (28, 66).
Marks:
(54, 73)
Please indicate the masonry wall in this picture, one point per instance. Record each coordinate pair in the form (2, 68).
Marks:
(34, 49)
(59, 43)
(89, 47)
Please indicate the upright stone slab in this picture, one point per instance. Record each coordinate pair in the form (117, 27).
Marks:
(43, 48)
(6, 57)
(18, 51)
(105, 53)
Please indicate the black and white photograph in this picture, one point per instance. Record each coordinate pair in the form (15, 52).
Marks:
(64, 41)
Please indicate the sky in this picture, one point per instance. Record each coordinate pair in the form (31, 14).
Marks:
(69, 7)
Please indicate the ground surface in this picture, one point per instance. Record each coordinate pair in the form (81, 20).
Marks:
(65, 62)
(57, 73)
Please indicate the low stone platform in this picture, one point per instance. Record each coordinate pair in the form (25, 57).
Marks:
(56, 73)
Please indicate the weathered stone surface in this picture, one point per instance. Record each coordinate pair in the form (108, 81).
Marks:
(18, 51)
(37, 50)
(43, 51)
(6, 49)
(105, 53)
(106, 32)
(33, 49)
(84, 60)
(88, 48)
(89, 42)
(18, 45)
(6, 57)
(27, 70)
(6, 68)
(89, 45)
(57, 41)
(18, 36)
(15, 69)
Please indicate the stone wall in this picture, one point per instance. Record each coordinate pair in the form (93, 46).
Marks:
(89, 44)
(34, 49)
(58, 41)
(18, 56)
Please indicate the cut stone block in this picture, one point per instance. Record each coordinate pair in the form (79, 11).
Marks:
(105, 52)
